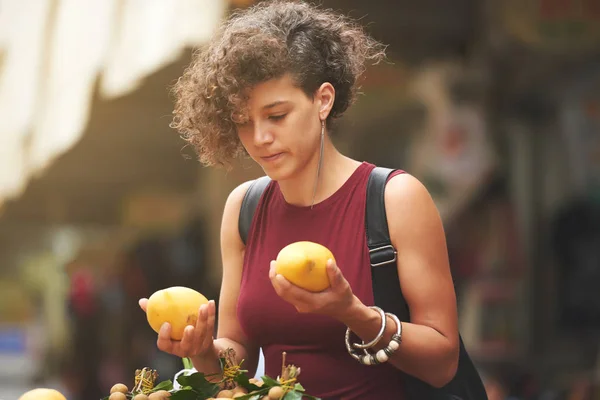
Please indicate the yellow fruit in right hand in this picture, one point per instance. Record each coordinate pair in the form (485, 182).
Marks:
(304, 264)
(176, 305)
(42, 394)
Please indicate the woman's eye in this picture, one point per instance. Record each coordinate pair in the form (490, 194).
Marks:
(277, 117)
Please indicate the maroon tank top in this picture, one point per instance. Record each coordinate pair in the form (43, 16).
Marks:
(314, 343)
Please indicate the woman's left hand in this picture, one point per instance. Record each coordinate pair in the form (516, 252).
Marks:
(335, 301)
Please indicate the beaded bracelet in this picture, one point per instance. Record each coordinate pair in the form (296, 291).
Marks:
(382, 355)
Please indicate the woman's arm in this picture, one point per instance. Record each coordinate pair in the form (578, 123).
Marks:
(430, 343)
(229, 332)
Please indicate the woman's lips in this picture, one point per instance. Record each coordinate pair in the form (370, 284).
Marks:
(272, 157)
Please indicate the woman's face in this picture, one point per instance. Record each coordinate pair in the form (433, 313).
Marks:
(284, 126)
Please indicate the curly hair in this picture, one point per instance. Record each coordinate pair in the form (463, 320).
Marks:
(265, 41)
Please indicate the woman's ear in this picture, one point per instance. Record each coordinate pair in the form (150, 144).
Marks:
(325, 96)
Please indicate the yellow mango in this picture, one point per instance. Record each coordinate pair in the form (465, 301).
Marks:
(176, 305)
(42, 394)
(304, 264)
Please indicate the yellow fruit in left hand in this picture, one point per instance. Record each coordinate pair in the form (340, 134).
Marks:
(42, 394)
(176, 305)
(304, 264)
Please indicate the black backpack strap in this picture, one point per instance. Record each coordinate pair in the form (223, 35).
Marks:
(249, 204)
(381, 250)
(382, 253)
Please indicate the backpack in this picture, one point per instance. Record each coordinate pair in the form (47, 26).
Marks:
(466, 384)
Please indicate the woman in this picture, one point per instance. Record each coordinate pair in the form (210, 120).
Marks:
(269, 85)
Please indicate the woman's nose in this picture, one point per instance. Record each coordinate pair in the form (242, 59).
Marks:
(262, 135)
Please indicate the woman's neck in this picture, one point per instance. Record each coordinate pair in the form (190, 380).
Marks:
(335, 170)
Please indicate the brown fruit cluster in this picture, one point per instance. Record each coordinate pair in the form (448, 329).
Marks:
(275, 393)
(120, 391)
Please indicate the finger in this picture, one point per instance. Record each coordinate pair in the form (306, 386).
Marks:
(200, 331)
(272, 268)
(286, 289)
(143, 304)
(275, 281)
(336, 279)
(281, 285)
(292, 293)
(188, 340)
(164, 341)
(202, 315)
(210, 325)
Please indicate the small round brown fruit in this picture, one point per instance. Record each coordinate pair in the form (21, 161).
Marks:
(276, 393)
(159, 395)
(238, 390)
(225, 394)
(119, 387)
(117, 396)
(140, 396)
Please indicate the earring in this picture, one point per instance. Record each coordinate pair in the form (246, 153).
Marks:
(320, 162)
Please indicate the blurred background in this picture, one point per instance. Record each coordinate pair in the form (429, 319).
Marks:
(493, 104)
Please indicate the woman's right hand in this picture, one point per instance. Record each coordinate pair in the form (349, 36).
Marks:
(197, 340)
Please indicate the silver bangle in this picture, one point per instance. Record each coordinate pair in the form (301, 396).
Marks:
(373, 342)
(382, 355)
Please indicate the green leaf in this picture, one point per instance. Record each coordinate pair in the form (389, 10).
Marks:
(298, 387)
(244, 381)
(164, 385)
(185, 395)
(270, 381)
(198, 382)
(195, 380)
(293, 395)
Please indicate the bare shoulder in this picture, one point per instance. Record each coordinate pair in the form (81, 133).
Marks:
(236, 196)
(404, 190)
(410, 209)
(229, 225)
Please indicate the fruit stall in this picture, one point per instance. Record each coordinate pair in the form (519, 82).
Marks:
(234, 383)
(304, 263)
